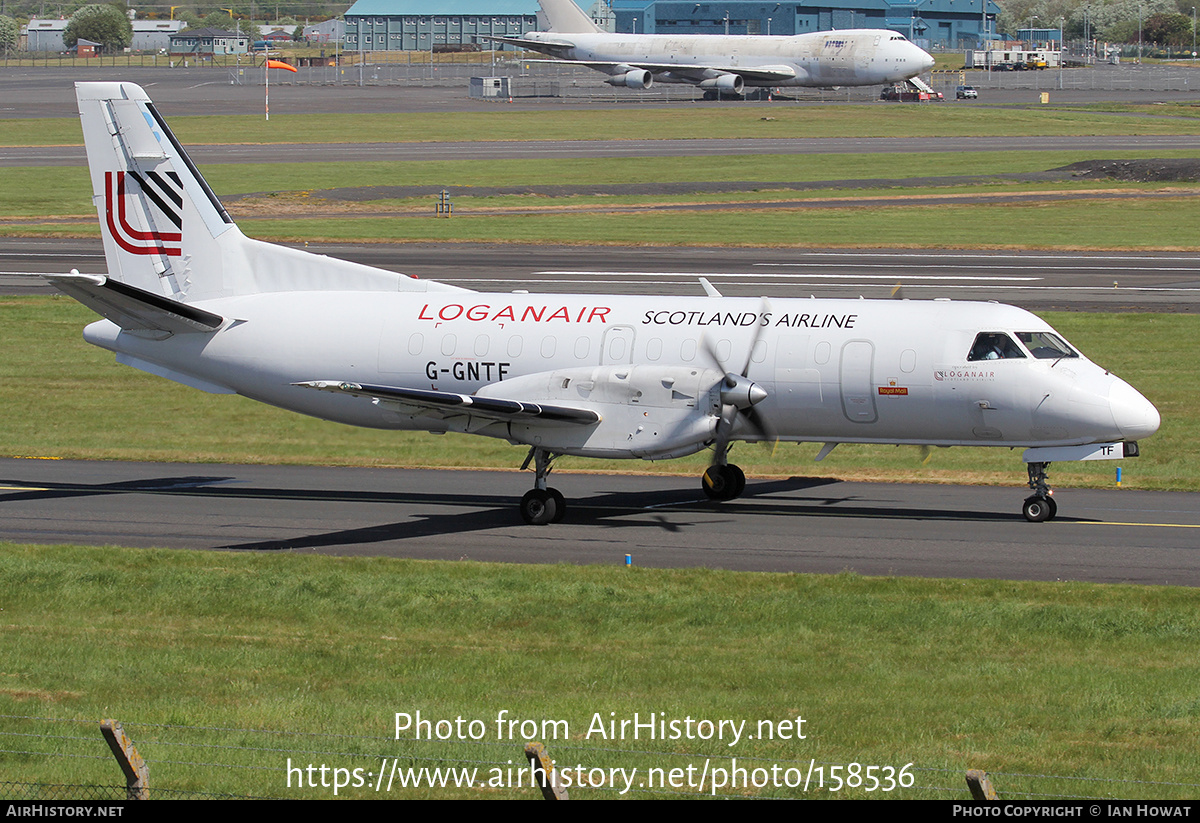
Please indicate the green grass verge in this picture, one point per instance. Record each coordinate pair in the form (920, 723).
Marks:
(51, 190)
(1093, 224)
(1092, 682)
(1188, 109)
(683, 121)
(1152, 224)
(68, 399)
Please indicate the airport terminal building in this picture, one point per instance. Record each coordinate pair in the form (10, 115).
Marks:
(409, 25)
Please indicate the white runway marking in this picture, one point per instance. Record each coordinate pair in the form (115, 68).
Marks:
(761, 275)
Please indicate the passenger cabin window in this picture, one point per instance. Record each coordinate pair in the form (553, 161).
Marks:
(1046, 346)
(994, 346)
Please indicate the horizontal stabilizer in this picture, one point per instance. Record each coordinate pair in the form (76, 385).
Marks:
(134, 309)
(449, 403)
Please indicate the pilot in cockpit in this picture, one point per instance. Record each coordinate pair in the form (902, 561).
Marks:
(994, 346)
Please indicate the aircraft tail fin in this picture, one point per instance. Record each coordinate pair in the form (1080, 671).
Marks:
(166, 233)
(565, 16)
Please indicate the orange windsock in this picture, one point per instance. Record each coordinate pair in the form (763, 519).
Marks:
(279, 64)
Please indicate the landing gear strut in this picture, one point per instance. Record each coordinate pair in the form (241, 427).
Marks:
(541, 504)
(1039, 506)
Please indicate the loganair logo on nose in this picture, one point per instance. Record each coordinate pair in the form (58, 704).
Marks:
(162, 189)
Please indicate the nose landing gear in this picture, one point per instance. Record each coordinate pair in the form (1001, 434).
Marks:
(1039, 506)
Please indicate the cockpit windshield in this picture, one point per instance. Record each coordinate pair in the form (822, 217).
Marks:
(994, 346)
(1046, 346)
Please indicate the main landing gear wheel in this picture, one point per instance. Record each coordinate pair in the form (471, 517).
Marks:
(723, 482)
(542, 506)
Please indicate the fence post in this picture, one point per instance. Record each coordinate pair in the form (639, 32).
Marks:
(137, 775)
(543, 769)
(980, 785)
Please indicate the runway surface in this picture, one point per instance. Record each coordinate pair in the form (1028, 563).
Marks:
(564, 149)
(1160, 282)
(795, 525)
(49, 91)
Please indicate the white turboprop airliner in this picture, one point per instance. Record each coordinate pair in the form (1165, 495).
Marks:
(188, 297)
(726, 63)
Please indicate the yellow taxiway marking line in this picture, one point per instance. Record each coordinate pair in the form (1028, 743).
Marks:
(1118, 523)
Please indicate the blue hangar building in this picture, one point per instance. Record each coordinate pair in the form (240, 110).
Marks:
(412, 25)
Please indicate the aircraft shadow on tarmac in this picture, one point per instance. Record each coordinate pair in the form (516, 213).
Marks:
(604, 509)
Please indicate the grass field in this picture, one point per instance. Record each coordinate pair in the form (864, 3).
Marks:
(1056, 689)
(884, 120)
(1156, 217)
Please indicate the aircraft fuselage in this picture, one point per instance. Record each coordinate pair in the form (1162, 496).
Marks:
(853, 57)
(834, 370)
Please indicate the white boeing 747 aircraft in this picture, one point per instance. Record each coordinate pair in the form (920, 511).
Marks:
(726, 63)
(188, 297)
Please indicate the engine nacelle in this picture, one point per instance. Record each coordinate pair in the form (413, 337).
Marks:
(636, 79)
(725, 82)
(652, 412)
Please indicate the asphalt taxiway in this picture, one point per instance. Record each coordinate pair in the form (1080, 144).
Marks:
(48, 91)
(794, 524)
(1072, 281)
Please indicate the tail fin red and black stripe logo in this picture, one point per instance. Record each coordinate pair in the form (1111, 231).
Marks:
(165, 191)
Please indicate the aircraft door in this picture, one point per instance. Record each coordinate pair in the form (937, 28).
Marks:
(857, 381)
(616, 348)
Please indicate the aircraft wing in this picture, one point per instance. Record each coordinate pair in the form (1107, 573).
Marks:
(544, 46)
(699, 73)
(450, 404)
(134, 309)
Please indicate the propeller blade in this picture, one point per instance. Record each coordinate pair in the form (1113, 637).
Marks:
(739, 394)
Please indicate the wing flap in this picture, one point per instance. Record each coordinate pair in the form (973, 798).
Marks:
(134, 309)
(449, 404)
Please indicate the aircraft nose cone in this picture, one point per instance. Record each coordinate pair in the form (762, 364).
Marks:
(926, 60)
(1134, 415)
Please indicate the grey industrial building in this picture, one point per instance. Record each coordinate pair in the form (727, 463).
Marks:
(148, 35)
(411, 25)
(375, 25)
